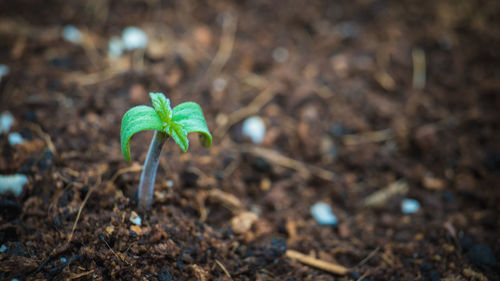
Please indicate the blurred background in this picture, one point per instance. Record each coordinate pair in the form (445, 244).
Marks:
(385, 113)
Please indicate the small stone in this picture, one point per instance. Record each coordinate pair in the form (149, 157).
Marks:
(265, 184)
(4, 70)
(433, 183)
(134, 38)
(136, 229)
(482, 255)
(110, 229)
(135, 218)
(277, 247)
(12, 184)
(72, 34)
(6, 121)
(219, 84)
(254, 128)
(280, 54)
(203, 35)
(115, 47)
(410, 206)
(15, 138)
(323, 214)
(243, 222)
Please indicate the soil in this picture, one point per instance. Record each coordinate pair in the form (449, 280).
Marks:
(357, 96)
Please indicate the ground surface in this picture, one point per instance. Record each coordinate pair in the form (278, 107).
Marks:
(333, 81)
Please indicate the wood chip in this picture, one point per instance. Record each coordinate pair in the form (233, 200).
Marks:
(227, 199)
(320, 264)
(434, 183)
(379, 198)
(305, 170)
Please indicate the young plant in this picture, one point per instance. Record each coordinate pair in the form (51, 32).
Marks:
(177, 123)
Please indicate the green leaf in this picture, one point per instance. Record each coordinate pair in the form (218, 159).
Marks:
(136, 119)
(190, 116)
(177, 132)
(162, 107)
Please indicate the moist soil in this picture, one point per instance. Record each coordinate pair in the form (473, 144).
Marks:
(360, 96)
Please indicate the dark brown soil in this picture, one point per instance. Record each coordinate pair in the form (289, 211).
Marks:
(343, 117)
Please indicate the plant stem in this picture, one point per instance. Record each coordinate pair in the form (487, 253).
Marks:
(148, 176)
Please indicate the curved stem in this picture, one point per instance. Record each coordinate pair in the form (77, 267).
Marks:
(148, 176)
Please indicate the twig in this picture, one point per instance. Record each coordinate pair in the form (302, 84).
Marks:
(99, 181)
(114, 253)
(368, 137)
(78, 275)
(228, 171)
(134, 168)
(223, 268)
(387, 259)
(362, 277)
(365, 260)
(46, 137)
(260, 101)
(229, 24)
(326, 266)
(87, 79)
(380, 197)
(305, 170)
(418, 56)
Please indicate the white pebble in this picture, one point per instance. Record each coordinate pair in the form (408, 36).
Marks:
(72, 34)
(280, 54)
(135, 219)
(170, 183)
(254, 128)
(3, 248)
(134, 38)
(410, 206)
(15, 138)
(12, 184)
(115, 47)
(6, 121)
(323, 214)
(219, 84)
(4, 70)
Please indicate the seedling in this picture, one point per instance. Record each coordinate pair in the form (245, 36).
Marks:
(177, 123)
